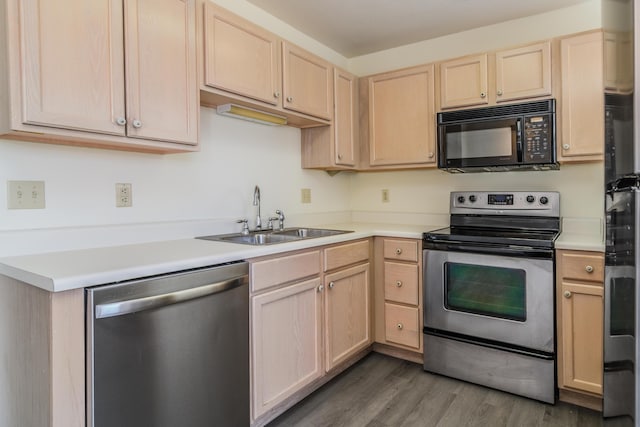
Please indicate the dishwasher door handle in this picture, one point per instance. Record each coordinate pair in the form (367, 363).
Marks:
(120, 308)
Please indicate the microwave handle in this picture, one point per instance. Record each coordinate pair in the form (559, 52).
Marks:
(519, 146)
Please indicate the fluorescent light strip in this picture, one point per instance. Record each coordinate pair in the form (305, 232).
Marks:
(245, 113)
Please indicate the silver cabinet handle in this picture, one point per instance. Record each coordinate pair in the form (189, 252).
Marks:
(289, 98)
(276, 94)
(399, 283)
(331, 285)
(589, 269)
(565, 146)
(121, 121)
(136, 124)
(320, 288)
(567, 294)
(120, 308)
(398, 251)
(400, 326)
(483, 94)
(499, 92)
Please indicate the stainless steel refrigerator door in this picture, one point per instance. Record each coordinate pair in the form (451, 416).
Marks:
(621, 259)
(170, 351)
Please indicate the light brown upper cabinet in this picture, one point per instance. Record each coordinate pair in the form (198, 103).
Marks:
(618, 53)
(581, 110)
(240, 56)
(102, 73)
(490, 78)
(307, 82)
(401, 118)
(335, 147)
(245, 64)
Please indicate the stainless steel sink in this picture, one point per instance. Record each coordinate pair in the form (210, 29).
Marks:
(268, 237)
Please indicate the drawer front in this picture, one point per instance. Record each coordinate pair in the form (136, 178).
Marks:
(587, 266)
(401, 250)
(401, 282)
(401, 325)
(350, 253)
(275, 271)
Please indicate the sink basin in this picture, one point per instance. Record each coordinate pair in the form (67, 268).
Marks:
(309, 233)
(269, 237)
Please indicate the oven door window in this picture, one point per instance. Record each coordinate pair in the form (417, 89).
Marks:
(488, 143)
(485, 290)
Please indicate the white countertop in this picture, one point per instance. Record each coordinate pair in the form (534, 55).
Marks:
(60, 271)
(581, 234)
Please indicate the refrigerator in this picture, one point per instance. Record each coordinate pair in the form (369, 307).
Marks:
(621, 395)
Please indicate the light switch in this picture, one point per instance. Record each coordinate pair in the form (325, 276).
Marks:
(25, 195)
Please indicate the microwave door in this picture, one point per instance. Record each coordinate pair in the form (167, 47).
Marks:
(481, 143)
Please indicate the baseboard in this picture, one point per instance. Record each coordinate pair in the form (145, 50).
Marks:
(399, 353)
(586, 400)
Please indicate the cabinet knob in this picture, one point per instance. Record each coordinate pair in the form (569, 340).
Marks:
(136, 124)
(339, 156)
(567, 294)
(499, 93)
(289, 98)
(320, 288)
(565, 146)
(483, 94)
(331, 285)
(121, 121)
(399, 326)
(431, 154)
(589, 269)
(276, 94)
(398, 251)
(399, 283)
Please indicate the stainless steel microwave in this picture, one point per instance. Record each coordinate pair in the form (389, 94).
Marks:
(506, 137)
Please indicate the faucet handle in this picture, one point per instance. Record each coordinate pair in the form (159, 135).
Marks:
(245, 225)
(270, 223)
(280, 219)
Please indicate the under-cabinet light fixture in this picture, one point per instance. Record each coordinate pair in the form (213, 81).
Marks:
(246, 113)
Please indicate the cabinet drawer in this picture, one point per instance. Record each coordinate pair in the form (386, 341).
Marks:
(401, 282)
(587, 266)
(401, 250)
(402, 325)
(350, 253)
(274, 271)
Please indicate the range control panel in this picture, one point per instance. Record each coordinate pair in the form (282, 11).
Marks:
(546, 203)
(538, 134)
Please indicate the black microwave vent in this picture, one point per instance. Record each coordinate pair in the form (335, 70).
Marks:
(546, 106)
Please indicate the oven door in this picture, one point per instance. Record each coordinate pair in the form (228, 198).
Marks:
(494, 142)
(496, 298)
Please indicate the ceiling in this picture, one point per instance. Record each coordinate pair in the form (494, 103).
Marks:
(357, 27)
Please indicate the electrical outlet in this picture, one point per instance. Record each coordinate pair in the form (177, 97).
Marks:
(25, 195)
(305, 195)
(385, 196)
(124, 196)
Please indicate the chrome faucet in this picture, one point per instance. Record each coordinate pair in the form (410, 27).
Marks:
(280, 219)
(256, 202)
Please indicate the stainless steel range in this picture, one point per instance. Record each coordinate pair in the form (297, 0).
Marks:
(489, 292)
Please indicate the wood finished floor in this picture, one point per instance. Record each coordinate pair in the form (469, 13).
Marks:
(381, 391)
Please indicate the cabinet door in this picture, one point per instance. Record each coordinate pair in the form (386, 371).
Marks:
(401, 118)
(286, 343)
(344, 119)
(162, 90)
(307, 82)
(463, 82)
(240, 57)
(347, 313)
(524, 72)
(582, 314)
(582, 111)
(72, 65)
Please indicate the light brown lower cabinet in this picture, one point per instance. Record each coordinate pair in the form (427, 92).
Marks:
(580, 305)
(308, 326)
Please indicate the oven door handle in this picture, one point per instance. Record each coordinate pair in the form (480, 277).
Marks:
(506, 250)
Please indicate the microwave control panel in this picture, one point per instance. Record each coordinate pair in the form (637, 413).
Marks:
(538, 137)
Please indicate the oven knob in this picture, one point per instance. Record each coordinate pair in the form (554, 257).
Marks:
(530, 199)
(472, 198)
(544, 200)
(460, 199)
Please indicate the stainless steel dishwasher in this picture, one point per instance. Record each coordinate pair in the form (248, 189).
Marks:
(170, 351)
